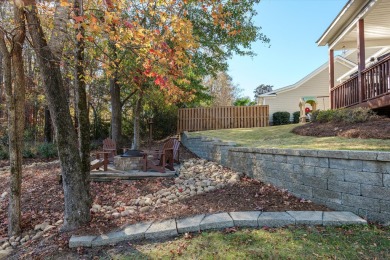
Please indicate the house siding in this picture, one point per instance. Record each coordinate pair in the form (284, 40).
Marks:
(316, 86)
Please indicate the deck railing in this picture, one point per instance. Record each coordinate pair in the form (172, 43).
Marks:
(345, 94)
(375, 84)
(376, 80)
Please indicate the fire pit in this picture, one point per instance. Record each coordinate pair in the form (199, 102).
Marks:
(130, 160)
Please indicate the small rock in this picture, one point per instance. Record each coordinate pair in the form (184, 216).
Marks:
(5, 245)
(124, 213)
(37, 235)
(59, 222)
(171, 197)
(17, 239)
(47, 228)
(148, 201)
(26, 237)
(41, 226)
(167, 193)
(97, 207)
(4, 194)
(144, 209)
(116, 214)
(14, 244)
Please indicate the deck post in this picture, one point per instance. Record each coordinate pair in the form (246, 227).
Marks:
(361, 57)
(331, 77)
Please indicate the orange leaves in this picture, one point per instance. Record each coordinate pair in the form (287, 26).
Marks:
(109, 3)
(78, 19)
(79, 36)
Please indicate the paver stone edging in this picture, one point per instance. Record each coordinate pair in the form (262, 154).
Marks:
(173, 227)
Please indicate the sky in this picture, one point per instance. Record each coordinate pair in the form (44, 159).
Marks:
(293, 26)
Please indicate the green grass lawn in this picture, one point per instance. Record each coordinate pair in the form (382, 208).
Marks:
(281, 137)
(350, 242)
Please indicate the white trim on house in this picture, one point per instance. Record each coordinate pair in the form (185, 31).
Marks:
(345, 21)
(339, 59)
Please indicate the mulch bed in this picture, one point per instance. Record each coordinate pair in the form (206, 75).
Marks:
(42, 199)
(379, 129)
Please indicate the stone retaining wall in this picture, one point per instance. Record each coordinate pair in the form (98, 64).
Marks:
(356, 181)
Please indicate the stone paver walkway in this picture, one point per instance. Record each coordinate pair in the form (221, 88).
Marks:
(173, 227)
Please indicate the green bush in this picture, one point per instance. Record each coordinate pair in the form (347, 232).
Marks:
(165, 122)
(3, 154)
(47, 150)
(95, 145)
(281, 118)
(325, 116)
(28, 152)
(356, 115)
(296, 116)
(314, 115)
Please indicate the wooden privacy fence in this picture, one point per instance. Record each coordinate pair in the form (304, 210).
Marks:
(212, 118)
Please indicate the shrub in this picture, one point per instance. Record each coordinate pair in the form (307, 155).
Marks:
(324, 116)
(3, 154)
(95, 145)
(314, 115)
(296, 116)
(281, 118)
(48, 150)
(356, 115)
(28, 152)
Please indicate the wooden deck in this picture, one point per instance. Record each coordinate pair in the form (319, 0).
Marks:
(113, 174)
(370, 89)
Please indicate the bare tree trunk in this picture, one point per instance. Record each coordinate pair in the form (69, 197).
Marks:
(15, 94)
(116, 112)
(76, 193)
(47, 128)
(137, 113)
(81, 99)
(1, 86)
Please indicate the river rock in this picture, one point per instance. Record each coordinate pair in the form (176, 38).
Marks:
(144, 209)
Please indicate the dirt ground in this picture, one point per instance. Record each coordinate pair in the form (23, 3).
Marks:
(42, 199)
(379, 129)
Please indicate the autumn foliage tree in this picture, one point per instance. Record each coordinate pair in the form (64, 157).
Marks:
(146, 50)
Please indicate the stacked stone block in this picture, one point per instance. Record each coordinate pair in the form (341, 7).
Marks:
(356, 181)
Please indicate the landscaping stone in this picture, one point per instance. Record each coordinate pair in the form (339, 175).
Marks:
(136, 231)
(49, 227)
(245, 218)
(307, 217)
(4, 195)
(162, 229)
(275, 219)
(41, 226)
(77, 241)
(341, 218)
(190, 224)
(4, 253)
(132, 232)
(216, 221)
(5, 245)
(37, 235)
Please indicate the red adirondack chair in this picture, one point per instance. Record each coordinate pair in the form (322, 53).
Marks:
(160, 159)
(110, 146)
